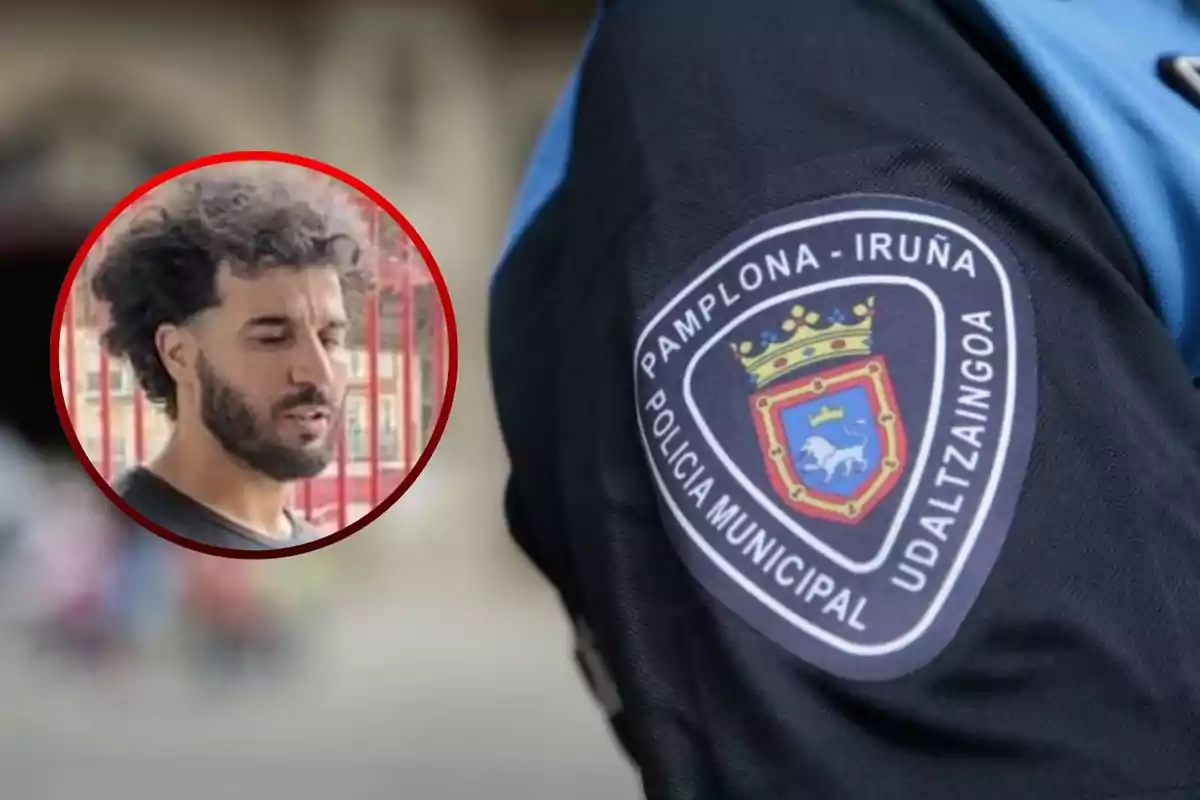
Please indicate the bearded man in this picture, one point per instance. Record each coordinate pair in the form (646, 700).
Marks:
(226, 293)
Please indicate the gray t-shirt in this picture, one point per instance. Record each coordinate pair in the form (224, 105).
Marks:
(162, 503)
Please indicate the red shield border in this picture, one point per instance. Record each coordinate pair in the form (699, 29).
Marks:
(766, 409)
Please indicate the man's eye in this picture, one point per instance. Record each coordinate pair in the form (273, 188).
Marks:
(272, 340)
(332, 343)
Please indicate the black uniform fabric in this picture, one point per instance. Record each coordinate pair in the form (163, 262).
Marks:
(162, 503)
(1076, 672)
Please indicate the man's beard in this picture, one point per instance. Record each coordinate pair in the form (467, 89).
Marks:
(232, 422)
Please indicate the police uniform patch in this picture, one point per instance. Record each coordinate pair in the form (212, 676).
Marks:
(838, 408)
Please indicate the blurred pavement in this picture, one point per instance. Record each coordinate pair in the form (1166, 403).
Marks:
(426, 697)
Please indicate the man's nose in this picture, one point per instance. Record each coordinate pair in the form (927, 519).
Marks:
(312, 364)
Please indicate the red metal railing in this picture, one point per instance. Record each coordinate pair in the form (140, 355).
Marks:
(357, 481)
(371, 335)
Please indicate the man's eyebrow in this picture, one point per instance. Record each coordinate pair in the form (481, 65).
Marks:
(279, 321)
(273, 320)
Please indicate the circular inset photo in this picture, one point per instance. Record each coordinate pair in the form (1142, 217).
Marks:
(254, 355)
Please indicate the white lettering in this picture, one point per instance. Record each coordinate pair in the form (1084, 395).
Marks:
(750, 277)
(662, 446)
(921, 552)
(789, 561)
(722, 512)
(937, 525)
(974, 397)
(806, 258)
(687, 327)
(679, 465)
(803, 584)
(839, 606)
(978, 345)
(648, 361)
(700, 492)
(944, 477)
(969, 433)
(823, 586)
(918, 578)
(854, 621)
(666, 347)
(759, 546)
(881, 246)
(905, 254)
(965, 263)
(939, 251)
(778, 267)
(980, 320)
(978, 371)
(663, 422)
(737, 533)
(953, 454)
(725, 295)
(944, 506)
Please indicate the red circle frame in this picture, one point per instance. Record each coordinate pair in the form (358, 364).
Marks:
(447, 314)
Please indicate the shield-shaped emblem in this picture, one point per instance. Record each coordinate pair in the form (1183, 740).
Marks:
(834, 441)
(837, 405)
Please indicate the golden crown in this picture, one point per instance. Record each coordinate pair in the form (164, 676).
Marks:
(826, 414)
(798, 344)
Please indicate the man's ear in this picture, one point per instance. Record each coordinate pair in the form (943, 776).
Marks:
(177, 351)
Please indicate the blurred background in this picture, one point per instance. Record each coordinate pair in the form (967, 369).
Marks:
(422, 657)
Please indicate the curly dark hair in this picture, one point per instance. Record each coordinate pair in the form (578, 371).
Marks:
(161, 266)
